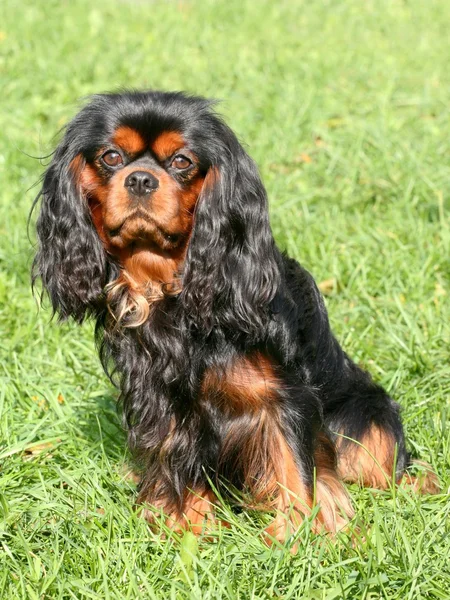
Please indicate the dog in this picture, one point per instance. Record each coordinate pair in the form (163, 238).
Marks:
(154, 222)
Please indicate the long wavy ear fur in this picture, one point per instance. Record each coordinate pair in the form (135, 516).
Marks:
(231, 273)
(70, 260)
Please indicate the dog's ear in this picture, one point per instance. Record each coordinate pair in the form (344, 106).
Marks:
(70, 260)
(231, 273)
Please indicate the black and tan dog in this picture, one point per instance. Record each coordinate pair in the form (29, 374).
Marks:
(154, 221)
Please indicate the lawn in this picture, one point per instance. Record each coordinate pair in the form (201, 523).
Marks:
(344, 104)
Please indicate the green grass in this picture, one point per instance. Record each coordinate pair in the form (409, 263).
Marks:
(345, 106)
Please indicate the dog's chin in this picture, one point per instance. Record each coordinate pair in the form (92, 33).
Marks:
(144, 234)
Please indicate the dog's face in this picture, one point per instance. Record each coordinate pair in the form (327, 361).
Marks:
(142, 186)
(149, 192)
(140, 169)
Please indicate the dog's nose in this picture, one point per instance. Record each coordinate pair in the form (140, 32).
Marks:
(141, 183)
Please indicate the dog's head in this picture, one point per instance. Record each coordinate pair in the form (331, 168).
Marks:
(150, 194)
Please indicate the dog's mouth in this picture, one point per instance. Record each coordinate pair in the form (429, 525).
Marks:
(142, 231)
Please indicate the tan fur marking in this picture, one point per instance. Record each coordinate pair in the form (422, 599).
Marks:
(76, 166)
(197, 513)
(85, 175)
(251, 448)
(146, 268)
(292, 500)
(93, 190)
(295, 500)
(332, 497)
(89, 179)
(147, 276)
(369, 463)
(426, 482)
(255, 446)
(247, 384)
(167, 143)
(129, 140)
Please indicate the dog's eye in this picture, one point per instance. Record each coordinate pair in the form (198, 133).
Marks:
(112, 158)
(180, 162)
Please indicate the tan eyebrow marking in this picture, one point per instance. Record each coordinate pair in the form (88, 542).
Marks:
(167, 143)
(129, 140)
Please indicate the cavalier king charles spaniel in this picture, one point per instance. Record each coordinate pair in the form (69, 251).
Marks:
(154, 222)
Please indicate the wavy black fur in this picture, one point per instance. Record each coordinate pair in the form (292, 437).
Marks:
(240, 294)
